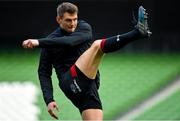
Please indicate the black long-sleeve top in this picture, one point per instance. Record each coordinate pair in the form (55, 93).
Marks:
(61, 50)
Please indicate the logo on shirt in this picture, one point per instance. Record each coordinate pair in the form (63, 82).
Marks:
(118, 38)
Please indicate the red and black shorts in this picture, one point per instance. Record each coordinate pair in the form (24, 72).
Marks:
(82, 91)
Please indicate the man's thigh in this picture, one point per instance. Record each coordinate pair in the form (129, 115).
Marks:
(90, 60)
(92, 115)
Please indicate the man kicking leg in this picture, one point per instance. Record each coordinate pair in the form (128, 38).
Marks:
(78, 88)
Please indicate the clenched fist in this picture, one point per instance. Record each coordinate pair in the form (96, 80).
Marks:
(30, 43)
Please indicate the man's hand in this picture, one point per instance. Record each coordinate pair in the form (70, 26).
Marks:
(30, 43)
(52, 107)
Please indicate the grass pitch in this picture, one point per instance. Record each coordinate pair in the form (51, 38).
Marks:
(126, 79)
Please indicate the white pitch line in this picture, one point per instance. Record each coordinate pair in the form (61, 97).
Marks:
(157, 98)
(17, 102)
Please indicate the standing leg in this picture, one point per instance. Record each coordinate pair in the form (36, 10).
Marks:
(92, 115)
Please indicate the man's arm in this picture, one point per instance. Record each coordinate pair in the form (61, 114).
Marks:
(82, 33)
(44, 73)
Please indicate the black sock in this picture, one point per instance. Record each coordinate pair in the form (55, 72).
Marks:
(115, 43)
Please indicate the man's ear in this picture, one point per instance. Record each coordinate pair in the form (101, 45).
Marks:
(58, 19)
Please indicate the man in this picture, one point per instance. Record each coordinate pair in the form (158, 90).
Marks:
(76, 57)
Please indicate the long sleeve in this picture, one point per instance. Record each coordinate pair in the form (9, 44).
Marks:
(44, 73)
(82, 33)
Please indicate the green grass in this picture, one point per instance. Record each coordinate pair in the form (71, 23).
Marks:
(167, 110)
(126, 79)
(129, 79)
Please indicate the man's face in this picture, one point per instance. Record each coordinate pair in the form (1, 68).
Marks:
(68, 22)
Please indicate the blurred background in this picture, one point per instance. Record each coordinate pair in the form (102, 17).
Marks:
(144, 75)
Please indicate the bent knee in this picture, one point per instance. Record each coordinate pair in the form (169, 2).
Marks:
(97, 44)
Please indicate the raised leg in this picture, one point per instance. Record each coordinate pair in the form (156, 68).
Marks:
(89, 61)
